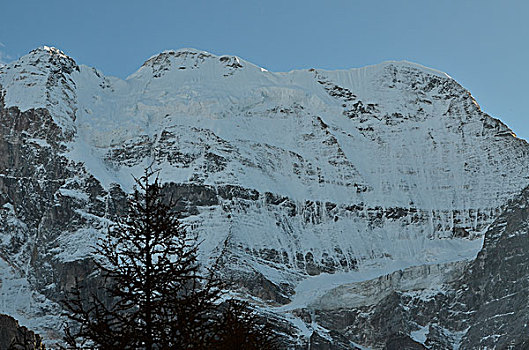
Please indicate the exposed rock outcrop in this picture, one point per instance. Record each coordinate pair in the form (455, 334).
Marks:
(476, 305)
(15, 337)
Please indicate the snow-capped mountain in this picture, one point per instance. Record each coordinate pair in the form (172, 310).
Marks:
(319, 190)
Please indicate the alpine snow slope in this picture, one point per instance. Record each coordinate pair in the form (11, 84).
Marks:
(316, 190)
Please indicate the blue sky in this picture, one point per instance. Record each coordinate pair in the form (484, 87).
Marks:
(482, 44)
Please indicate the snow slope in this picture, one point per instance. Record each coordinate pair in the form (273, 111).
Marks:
(357, 172)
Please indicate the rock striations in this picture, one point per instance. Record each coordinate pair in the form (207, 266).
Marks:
(350, 206)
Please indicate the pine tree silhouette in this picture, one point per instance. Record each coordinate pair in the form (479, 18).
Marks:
(155, 294)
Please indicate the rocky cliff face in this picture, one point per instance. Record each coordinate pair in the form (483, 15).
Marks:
(15, 337)
(349, 195)
(480, 304)
(496, 285)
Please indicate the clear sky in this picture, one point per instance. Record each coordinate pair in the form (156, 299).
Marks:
(483, 44)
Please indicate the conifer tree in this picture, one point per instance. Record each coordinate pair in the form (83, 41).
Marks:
(240, 329)
(155, 294)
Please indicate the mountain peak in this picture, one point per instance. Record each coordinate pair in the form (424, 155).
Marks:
(415, 66)
(47, 57)
(190, 59)
(53, 51)
(42, 79)
(184, 52)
